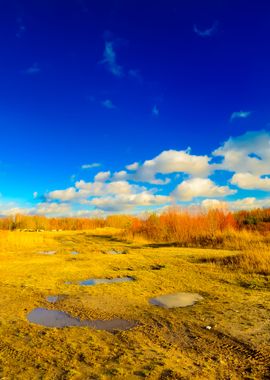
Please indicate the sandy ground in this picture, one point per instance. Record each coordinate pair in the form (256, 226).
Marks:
(165, 344)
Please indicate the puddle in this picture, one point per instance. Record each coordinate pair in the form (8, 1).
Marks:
(52, 299)
(47, 252)
(74, 253)
(176, 300)
(116, 252)
(56, 318)
(97, 281)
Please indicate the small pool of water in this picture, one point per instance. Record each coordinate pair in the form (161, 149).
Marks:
(169, 301)
(56, 318)
(74, 253)
(52, 299)
(97, 281)
(47, 252)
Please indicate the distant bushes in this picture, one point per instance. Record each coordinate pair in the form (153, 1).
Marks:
(42, 223)
(247, 231)
(213, 228)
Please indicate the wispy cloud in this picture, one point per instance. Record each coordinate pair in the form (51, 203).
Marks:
(90, 166)
(240, 115)
(33, 70)
(110, 60)
(21, 28)
(135, 74)
(155, 111)
(206, 32)
(108, 104)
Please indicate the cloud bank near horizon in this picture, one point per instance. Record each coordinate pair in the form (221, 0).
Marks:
(173, 177)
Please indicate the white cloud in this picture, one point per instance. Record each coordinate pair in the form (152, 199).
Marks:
(10, 211)
(249, 203)
(98, 188)
(63, 195)
(121, 175)
(108, 104)
(48, 208)
(206, 32)
(102, 176)
(45, 208)
(124, 202)
(214, 204)
(108, 196)
(200, 187)
(90, 166)
(109, 60)
(239, 204)
(248, 153)
(133, 166)
(172, 161)
(251, 182)
(240, 115)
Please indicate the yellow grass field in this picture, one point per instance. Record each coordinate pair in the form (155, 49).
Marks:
(165, 344)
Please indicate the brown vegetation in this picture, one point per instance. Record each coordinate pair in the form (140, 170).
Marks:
(248, 231)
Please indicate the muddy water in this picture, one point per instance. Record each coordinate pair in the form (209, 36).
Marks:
(169, 301)
(56, 318)
(52, 299)
(97, 281)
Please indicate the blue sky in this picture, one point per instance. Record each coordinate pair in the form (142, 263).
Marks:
(89, 88)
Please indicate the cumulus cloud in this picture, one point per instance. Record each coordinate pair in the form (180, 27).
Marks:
(98, 188)
(240, 115)
(247, 157)
(53, 208)
(251, 182)
(110, 61)
(133, 166)
(90, 166)
(200, 187)
(206, 32)
(63, 195)
(44, 208)
(10, 211)
(214, 204)
(171, 161)
(121, 175)
(108, 196)
(248, 153)
(103, 176)
(125, 202)
(248, 203)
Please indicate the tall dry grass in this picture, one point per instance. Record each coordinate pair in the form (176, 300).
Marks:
(214, 229)
(15, 240)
